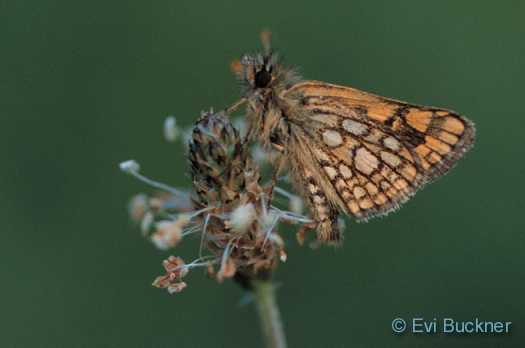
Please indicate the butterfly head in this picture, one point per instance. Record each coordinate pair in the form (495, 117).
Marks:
(262, 72)
(257, 72)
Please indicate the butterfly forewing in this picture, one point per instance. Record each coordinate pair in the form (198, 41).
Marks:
(372, 153)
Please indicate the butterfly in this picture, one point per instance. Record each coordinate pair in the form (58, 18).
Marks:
(347, 150)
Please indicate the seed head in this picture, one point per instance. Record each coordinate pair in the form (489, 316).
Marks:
(228, 208)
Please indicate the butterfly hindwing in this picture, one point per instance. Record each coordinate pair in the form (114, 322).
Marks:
(309, 181)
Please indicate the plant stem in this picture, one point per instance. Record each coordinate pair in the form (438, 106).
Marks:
(269, 315)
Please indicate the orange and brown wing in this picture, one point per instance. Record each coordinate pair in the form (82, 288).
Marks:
(376, 152)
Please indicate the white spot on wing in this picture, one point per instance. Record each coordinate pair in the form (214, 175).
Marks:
(365, 161)
(354, 127)
(359, 192)
(345, 171)
(391, 143)
(391, 159)
(332, 173)
(320, 154)
(332, 138)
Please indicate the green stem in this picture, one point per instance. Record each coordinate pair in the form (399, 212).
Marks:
(269, 315)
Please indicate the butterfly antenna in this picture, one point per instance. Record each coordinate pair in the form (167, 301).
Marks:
(266, 38)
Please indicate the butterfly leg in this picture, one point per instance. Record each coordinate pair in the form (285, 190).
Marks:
(235, 106)
(301, 234)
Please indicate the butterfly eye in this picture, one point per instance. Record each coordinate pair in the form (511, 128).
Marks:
(262, 78)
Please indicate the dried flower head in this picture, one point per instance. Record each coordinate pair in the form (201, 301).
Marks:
(175, 271)
(225, 177)
(228, 208)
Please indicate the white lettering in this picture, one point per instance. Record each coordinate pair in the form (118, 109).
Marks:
(448, 325)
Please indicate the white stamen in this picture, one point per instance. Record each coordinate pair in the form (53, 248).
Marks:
(198, 212)
(190, 230)
(269, 222)
(203, 235)
(226, 253)
(291, 216)
(283, 192)
(277, 240)
(129, 166)
(200, 262)
(171, 131)
(295, 203)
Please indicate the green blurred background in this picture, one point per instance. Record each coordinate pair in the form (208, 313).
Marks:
(87, 84)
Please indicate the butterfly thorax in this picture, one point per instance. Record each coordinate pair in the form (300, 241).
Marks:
(265, 83)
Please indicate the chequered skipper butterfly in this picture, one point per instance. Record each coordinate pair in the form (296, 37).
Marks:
(347, 150)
